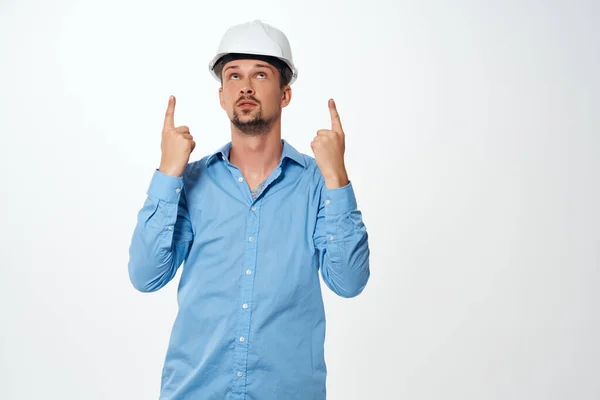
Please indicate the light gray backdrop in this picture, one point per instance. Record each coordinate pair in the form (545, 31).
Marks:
(472, 142)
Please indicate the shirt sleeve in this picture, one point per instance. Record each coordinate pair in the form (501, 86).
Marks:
(341, 240)
(162, 236)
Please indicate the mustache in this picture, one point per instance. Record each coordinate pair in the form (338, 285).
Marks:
(248, 98)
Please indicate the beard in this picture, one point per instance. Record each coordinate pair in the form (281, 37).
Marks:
(258, 125)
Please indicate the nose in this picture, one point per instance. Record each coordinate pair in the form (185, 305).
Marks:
(246, 90)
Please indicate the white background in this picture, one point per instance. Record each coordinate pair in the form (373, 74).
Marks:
(472, 143)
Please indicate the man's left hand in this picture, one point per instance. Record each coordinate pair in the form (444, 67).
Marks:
(329, 146)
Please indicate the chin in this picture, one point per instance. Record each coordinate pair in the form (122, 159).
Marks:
(247, 117)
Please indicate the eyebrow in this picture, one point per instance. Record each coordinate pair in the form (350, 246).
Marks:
(255, 66)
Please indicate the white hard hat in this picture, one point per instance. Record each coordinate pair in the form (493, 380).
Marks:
(256, 38)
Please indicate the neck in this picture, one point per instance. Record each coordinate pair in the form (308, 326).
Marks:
(256, 155)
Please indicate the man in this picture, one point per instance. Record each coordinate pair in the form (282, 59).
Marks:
(253, 223)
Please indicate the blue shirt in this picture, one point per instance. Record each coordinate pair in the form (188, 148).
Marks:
(250, 322)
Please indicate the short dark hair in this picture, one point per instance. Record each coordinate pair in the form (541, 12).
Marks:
(285, 73)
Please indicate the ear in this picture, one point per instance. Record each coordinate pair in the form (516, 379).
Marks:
(221, 98)
(286, 96)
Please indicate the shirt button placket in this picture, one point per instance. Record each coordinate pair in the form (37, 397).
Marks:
(250, 252)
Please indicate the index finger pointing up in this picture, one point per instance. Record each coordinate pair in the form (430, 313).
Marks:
(336, 123)
(170, 114)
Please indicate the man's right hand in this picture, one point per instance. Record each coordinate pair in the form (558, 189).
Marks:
(177, 144)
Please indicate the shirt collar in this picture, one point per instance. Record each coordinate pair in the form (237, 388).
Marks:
(288, 152)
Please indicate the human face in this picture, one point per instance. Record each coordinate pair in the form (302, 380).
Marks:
(251, 95)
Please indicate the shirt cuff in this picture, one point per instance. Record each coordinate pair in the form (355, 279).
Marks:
(339, 200)
(165, 187)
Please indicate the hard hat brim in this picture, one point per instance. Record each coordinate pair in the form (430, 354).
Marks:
(215, 60)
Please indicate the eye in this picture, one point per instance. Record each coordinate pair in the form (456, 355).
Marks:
(233, 76)
(262, 73)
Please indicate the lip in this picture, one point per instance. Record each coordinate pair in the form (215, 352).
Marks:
(246, 104)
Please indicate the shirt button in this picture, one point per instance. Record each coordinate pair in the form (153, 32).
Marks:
(248, 272)
(177, 190)
(245, 306)
(240, 373)
(328, 202)
(240, 179)
(253, 208)
(170, 228)
(251, 239)
(242, 339)
(330, 237)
